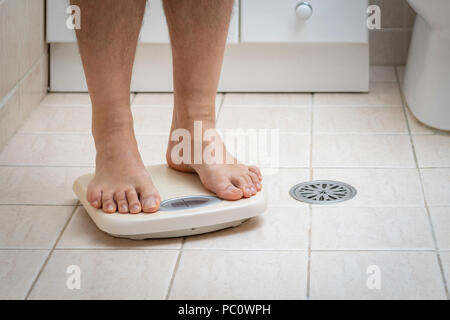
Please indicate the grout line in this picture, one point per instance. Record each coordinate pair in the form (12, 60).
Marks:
(304, 250)
(36, 165)
(311, 138)
(38, 205)
(51, 252)
(133, 97)
(162, 133)
(430, 220)
(222, 99)
(8, 95)
(175, 269)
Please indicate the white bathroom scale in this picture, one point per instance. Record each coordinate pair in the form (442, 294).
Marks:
(187, 208)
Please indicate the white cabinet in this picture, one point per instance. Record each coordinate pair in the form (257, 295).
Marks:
(271, 48)
(329, 21)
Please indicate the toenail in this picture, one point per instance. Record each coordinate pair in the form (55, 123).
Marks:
(109, 208)
(150, 203)
(95, 203)
(124, 208)
(136, 207)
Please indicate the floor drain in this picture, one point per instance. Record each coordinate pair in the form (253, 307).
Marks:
(322, 192)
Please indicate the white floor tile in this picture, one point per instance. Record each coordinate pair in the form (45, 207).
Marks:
(401, 73)
(359, 120)
(402, 275)
(267, 99)
(378, 187)
(277, 228)
(294, 151)
(70, 99)
(107, 274)
(441, 224)
(72, 149)
(153, 99)
(81, 233)
(77, 119)
(285, 119)
(58, 119)
(39, 185)
(18, 269)
(271, 150)
(152, 148)
(436, 183)
(50, 150)
(415, 126)
(385, 151)
(153, 119)
(164, 99)
(382, 74)
(67, 99)
(432, 150)
(160, 99)
(32, 227)
(240, 275)
(370, 228)
(278, 184)
(381, 94)
(445, 258)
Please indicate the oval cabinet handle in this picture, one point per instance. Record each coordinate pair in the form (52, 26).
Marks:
(304, 10)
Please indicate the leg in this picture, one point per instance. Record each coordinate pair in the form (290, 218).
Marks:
(198, 31)
(107, 41)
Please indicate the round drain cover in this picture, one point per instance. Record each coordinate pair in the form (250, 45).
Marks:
(322, 192)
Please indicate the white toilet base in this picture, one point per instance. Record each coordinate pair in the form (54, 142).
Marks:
(427, 76)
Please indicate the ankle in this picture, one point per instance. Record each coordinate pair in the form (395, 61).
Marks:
(187, 121)
(110, 122)
(186, 114)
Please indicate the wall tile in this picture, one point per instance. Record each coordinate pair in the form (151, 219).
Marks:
(391, 12)
(31, 24)
(23, 62)
(390, 44)
(9, 46)
(409, 15)
(31, 90)
(387, 46)
(10, 117)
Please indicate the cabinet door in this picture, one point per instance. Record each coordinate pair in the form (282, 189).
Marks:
(331, 21)
(154, 27)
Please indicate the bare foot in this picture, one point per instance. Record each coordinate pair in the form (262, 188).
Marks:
(228, 181)
(121, 182)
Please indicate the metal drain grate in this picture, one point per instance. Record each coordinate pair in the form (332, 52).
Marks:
(322, 192)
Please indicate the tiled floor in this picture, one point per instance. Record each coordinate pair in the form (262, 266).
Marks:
(392, 241)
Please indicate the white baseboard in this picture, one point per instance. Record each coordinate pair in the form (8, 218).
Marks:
(318, 67)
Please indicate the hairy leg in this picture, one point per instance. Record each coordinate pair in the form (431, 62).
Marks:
(198, 31)
(107, 42)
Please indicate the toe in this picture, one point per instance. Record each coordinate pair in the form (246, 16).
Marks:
(94, 197)
(249, 184)
(108, 204)
(121, 200)
(228, 191)
(150, 200)
(133, 201)
(256, 171)
(242, 184)
(255, 181)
